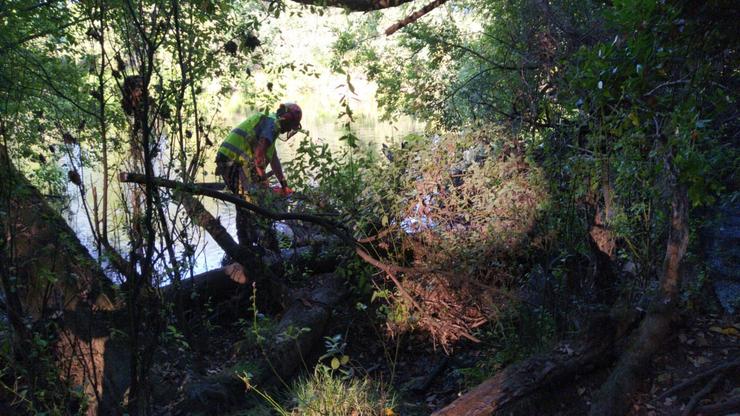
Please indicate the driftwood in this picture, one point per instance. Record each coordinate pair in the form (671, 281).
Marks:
(518, 382)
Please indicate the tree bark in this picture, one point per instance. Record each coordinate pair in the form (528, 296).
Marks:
(297, 334)
(615, 396)
(414, 16)
(54, 277)
(518, 382)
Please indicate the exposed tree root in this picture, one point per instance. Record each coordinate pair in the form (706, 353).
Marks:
(726, 407)
(701, 394)
(699, 378)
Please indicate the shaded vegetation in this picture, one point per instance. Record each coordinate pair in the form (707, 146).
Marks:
(573, 157)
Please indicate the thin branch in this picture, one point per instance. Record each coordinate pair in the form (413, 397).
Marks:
(665, 84)
(698, 378)
(493, 64)
(355, 5)
(33, 36)
(700, 395)
(414, 16)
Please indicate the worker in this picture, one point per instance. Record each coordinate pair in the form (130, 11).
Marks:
(242, 161)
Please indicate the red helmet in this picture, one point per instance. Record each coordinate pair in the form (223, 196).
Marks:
(291, 113)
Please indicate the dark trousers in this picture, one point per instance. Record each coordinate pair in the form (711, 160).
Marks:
(250, 229)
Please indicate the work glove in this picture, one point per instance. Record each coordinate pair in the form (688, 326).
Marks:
(286, 191)
(282, 191)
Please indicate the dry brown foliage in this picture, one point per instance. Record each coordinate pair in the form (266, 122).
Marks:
(472, 204)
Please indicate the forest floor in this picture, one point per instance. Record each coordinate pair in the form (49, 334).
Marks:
(424, 378)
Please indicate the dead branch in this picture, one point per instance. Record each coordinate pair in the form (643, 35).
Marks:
(331, 226)
(726, 407)
(355, 5)
(377, 236)
(699, 378)
(414, 16)
(200, 215)
(194, 189)
(700, 395)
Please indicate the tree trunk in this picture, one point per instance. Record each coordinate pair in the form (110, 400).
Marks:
(615, 396)
(51, 275)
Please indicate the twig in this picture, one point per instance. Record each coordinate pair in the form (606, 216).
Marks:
(665, 84)
(377, 236)
(414, 16)
(697, 378)
(703, 392)
(728, 406)
(389, 271)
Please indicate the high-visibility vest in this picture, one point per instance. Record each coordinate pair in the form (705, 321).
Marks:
(239, 145)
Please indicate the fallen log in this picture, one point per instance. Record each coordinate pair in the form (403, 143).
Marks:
(220, 283)
(519, 381)
(335, 228)
(296, 335)
(200, 215)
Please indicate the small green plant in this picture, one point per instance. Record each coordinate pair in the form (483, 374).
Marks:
(246, 378)
(173, 335)
(335, 347)
(325, 394)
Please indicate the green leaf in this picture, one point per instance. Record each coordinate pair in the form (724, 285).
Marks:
(350, 86)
